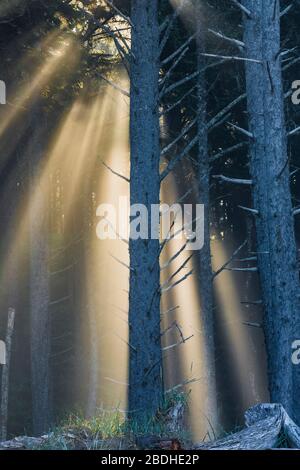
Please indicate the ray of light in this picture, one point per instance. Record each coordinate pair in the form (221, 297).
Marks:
(192, 354)
(94, 131)
(17, 243)
(26, 95)
(112, 277)
(76, 151)
(245, 363)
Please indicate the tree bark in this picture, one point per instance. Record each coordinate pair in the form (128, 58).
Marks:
(145, 389)
(277, 255)
(39, 281)
(205, 275)
(90, 302)
(5, 375)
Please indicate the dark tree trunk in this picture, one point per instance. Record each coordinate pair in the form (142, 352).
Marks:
(205, 269)
(90, 301)
(39, 281)
(145, 390)
(277, 256)
(5, 375)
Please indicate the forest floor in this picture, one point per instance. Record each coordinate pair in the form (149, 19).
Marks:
(267, 426)
(109, 431)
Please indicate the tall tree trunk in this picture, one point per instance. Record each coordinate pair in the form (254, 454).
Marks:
(39, 281)
(145, 389)
(13, 182)
(5, 375)
(90, 301)
(204, 268)
(277, 256)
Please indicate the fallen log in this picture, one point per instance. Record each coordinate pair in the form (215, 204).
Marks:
(22, 443)
(268, 426)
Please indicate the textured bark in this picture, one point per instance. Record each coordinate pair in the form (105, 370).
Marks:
(5, 376)
(277, 257)
(39, 283)
(267, 427)
(205, 269)
(145, 390)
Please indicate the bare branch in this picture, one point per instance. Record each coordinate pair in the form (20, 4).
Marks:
(183, 265)
(183, 384)
(172, 346)
(252, 324)
(59, 301)
(180, 156)
(115, 86)
(170, 310)
(179, 83)
(90, 18)
(288, 51)
(121, 262)
(169, 328)
(227, 151)
(178, 102)
(226, 179)
(253, 302)
(231, 57)
(179, 137)
(248, 270)
(242, 8)
(225, 110)
(167, 76)
(167, 264)
(116, 173)
(286, 10)
(233, 41)
(235, 253)
(247, 209)
(294, 132)
(186, 276)
(178, 51)
(287, 66)
(241, 130)
(170, 25)
(126, 18)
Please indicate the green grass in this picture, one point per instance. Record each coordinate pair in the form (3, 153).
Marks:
(110, 430)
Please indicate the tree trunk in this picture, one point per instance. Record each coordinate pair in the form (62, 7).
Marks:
(204, 268)
(39, 283)
(5, 375)
(277, 256)
(145, 390)
(90, 302)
